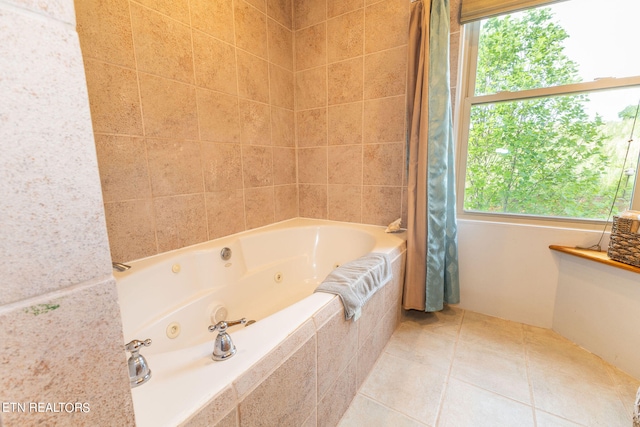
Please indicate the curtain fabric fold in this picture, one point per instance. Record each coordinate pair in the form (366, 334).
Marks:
(431, 275)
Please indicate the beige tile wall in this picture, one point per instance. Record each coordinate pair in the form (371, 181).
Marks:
(350, 85)
(192, 109)
(212, 117)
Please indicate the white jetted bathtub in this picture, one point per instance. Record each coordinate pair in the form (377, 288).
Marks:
(270, 277)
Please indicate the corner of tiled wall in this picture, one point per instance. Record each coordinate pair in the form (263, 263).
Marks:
(61, 335)
(192, 108)
(350, 88)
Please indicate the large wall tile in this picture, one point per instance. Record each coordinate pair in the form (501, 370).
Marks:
(312, 201)
(174, 167)
(286, 201)
(371, 316)
(257, 166)
(311, 47)
(345, 81)
(169, 108)
(259, 206)
(281, 11)
(214, 18)
(274, 402)
(40, 360)
(385, 73)
(284, 166)
(114, 98)
(180, 221)
(380, 205)
(104, 27)
(280, 41)
(251, 29)
(332, 363)
(162, 45)
(122, 161)
(384, 119)
(311, 88)
(344, 203)
(338, 7)
(225, 212)
(281, 87)
(282, 127)
(131, 229)
(345, 124)
(272, 360)
(308, 12)
(218, 116)
(311, 127)
(215, 64)
(337, 399)
(345, 164)
(176, 9)
(255, 122)
(253, 77)
(383, 164)
(387, 25)
(345, 36)
(216, 410)
(312, 165)
(222, 166)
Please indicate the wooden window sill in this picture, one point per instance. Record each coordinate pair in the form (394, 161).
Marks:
(596, 256)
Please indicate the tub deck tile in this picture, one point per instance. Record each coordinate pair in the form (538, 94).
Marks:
(268, 363)
(274, 402)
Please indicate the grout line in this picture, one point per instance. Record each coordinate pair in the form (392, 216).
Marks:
(362, 115)
(144, 135)
(244, 194)
(528, 371)
(445, 387)
(326, 110)
(200, 153)
(273, 166)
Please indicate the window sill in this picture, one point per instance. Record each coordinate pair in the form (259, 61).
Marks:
(596, 256)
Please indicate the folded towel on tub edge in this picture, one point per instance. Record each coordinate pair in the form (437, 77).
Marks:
(356, 281)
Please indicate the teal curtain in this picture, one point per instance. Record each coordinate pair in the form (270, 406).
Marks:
(431, 276)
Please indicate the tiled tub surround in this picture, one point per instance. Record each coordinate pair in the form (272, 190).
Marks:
(313, 96)
(192, 110)
(300, 342)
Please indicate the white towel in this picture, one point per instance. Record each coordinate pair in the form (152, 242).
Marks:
(356, 281)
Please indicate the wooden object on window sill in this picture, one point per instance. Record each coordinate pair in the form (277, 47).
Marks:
(596, 256)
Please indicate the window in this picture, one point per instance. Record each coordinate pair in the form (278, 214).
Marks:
(549, 97)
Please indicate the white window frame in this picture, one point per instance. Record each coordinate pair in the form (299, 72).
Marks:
(466, 99)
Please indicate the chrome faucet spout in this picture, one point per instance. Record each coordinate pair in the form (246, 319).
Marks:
(120, 266)
(223, 347)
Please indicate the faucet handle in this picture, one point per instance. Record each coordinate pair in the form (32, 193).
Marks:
(223, 325)
(136, 344)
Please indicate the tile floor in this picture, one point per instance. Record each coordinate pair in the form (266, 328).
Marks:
(458, 368)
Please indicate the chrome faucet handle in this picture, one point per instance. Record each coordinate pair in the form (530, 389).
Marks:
(223, 348)
(222, 326)
(136, 344)
(139, 372)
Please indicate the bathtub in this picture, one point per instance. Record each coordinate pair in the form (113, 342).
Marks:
(270, 277)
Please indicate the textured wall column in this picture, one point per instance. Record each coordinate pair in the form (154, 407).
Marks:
(61, 355)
